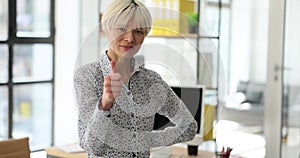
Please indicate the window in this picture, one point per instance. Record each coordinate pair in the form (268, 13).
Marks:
(3, 19)
(27, 70)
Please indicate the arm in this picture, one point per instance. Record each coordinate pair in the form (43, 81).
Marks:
(175, 110)
(185, 125)
(91, 120)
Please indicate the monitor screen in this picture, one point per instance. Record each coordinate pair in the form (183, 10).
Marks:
(192, 97)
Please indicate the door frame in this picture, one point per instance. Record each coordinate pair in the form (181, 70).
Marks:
(274, 85)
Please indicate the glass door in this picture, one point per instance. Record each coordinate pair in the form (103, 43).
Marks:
(273, 101)
(241, 119)
(282, 100)
(290, 145)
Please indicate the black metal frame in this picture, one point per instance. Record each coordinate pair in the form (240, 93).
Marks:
(13, 39)
(219, 4)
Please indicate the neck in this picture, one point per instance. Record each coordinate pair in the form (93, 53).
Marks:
(125, 69)
(124, 66)
(112, 56)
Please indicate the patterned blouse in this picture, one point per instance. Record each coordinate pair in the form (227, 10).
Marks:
(126, 130)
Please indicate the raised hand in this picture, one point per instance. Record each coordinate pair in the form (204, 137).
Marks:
(111, 88)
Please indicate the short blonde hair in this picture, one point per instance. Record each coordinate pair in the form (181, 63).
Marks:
(121, 11)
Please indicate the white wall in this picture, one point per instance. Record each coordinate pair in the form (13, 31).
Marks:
(66, 48)
(250, 37)
(249, 41)
(76, 21)
(240, 41)
(259, 41)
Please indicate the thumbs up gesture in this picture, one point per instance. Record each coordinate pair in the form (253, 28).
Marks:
(111, 88)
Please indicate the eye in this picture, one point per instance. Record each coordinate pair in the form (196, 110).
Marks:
(121, 29)
(139, 31)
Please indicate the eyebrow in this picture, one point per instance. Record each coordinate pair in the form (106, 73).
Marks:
(122, 25)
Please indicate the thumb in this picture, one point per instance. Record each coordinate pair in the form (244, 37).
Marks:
(113, 65)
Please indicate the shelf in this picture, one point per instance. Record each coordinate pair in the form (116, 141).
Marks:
(188, 35)
(183, 36)
(211, 88)
(175, 36)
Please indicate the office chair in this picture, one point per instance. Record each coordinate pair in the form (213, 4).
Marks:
(15, 148)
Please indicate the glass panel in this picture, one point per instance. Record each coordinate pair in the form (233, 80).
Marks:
(217, 1)
(175, 59)
(32, 62)
(32, 113)
(291, 93)
(214, 1)
(208, 67)
(209, 21)
(3, 112)
(3, 63)
(225, 48)
(242, 116)
(33, 18)
(172, 18)
(3, 19)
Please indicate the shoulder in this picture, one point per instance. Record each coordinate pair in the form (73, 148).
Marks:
(88, 70)
(149, 73)
(150, 76)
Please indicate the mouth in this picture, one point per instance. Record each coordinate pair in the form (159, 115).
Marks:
(125, 47)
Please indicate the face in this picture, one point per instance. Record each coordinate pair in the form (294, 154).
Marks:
(125, 40)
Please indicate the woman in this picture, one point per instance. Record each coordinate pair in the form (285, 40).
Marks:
(118, 99)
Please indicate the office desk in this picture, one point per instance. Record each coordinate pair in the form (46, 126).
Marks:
(54, 152)
(181, 152)
(177, 151)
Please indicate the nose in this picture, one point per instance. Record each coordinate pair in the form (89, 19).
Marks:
(129, 36)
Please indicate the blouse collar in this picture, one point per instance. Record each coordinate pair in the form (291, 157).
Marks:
(104, 63)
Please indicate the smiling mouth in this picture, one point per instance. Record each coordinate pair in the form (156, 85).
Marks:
(127, 47)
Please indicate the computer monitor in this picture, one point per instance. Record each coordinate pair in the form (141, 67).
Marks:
(193, 98)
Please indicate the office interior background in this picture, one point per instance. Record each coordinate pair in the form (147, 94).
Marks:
(250, 45)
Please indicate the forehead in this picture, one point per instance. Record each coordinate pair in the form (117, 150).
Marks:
(131, 19)
(129, 24)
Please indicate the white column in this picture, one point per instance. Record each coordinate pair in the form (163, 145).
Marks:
(66, 49)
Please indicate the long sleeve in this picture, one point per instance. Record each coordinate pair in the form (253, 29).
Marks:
(90, 118)
(105, 133)
(155, 96)
(127, 128)
(185, 125)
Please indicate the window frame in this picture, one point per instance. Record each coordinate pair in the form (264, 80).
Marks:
(12, 40)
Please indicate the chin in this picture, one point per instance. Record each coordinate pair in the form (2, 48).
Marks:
(130, 53)
(127, 56)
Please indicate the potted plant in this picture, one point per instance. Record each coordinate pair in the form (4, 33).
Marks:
(193, 22)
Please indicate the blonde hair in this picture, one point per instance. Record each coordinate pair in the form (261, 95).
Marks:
(119, 12)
